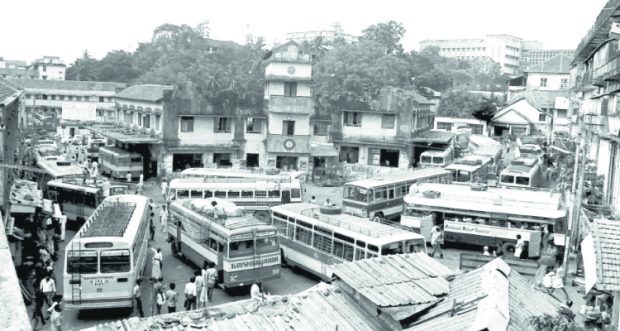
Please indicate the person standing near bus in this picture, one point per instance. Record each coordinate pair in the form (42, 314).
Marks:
(211, 276)
(48, 288)
(171, 298)
(156, 268)
(137, 296)
(37, 314)
(436, 240)
(163, 218)
(519, 246)
(56, 319)
(128, 177)
(190, 294)
(200, 287)
(164, 189)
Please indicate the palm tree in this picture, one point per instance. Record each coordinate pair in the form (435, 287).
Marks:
(83, 68)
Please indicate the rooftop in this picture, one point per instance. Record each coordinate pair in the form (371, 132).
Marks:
(606, 235)
(65, 85)
(144, 92)
(559, 64)
(124, 135)
(8, 92)
(115, 216)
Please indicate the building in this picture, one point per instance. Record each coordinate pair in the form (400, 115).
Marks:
(502, 48)
(452, 124)
(48, 102)
(531, 57)
(49, 67)
(327, 35)
(595, 80)
(519, 117)
(379, 132)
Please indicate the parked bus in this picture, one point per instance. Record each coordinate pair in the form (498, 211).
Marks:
(529, 151)
(476, 141)
(79, 198)
(253, 196)
(55, 167)
(382, 197)
(93, 148)
(107, 255)
(436, 158)
(117, 163)
(492, 151)
(244, 249)
(491, 217)
(314, 239)
(523, 173)
(225, 173)
(471, 169)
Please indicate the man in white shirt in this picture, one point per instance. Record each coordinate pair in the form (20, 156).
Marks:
(190, 294)
(256, 294)
(519, 246)
(48, 287)
(137, 295)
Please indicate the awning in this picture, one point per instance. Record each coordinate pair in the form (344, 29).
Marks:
(326, 150)
(433, 137)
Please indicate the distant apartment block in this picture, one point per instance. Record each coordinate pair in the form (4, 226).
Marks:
(530, 58)
(328, 35)
(47, 67)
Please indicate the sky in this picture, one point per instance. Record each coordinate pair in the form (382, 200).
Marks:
(30, 29)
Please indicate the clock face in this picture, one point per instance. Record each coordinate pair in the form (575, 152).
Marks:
(289, 144)
(291, 70)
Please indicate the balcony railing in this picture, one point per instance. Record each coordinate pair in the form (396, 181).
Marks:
(609, 71)
(290, 105)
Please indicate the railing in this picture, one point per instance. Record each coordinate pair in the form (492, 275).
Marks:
(610, 69)
(391, 228)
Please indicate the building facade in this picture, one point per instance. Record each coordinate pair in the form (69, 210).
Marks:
(49, 67)
(532, 57)
(520, 117)
(327, 35)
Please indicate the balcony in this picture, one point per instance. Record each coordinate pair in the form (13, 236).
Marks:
(290, 105)
(599, 31)
(609, 71)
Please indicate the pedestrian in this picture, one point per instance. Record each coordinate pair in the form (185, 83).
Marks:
(190, 294)
(160, 299)
(519, 247)
(37, 314)
(157, 286)
(56, 319)
(164, 189)
(203, 297)
(200, 287)
(436, 240)
(485, 251)
(128, 177)
(137, 296)
(139, 187)
(171, 298)
(557, 281)
(163, 218)
(313, 199)
(152, 226)
(157, 264)
(256, 294)
(141, 179)
(48, 287)
(211, 276)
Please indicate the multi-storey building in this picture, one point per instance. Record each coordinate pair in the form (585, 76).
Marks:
(49, 67)
(532, 57)
(327, 35)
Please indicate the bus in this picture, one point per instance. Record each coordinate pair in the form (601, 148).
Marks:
(223, 173)
(244, 249)
(382, 197)
(93, 148)
(436, 158)
(492, 151)
(471, 169)
(530, 151)
(486, 217)
(476, 141)
(107, 255)
(78, 198)
(313, 238)
(44, 152)
(522, 173)
(118, 162)
(252, 196)
(57, 167)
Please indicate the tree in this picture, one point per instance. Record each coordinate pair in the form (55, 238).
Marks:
(84, 68)
(117, 66)
(438, 80)
(387, 34)
(460, 104)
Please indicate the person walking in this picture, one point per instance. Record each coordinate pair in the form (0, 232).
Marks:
(436, 241)
(203, 295)
(157, 265)
(128, 177)
(160, 299)
(152, 226)
(200, 287)
(37, 314)
(211, 276)
(56, 319)
(164, 189)
(163, 218)
(557, 281)
(137, 296)
(171, 298)
(48, 288)
(190, 294)
(157, 285)
(519, 247)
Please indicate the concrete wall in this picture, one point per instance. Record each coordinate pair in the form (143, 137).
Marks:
(302, 123)
(370, 126)
(203, 132)
(277, 88)
(554, 81)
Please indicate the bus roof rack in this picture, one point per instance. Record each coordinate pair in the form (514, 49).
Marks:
(388, 229)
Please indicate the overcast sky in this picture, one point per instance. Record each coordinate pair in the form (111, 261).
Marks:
(65, 28)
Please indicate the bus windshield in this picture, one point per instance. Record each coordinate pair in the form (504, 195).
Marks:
(425, 159)
(355, 193)
(462, 176)
(267, 245)
(115, 261)
(82, 262)
(521, 180)
(241, 248)
(507, 179)
(438, 160)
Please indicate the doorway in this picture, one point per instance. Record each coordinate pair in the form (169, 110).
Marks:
(251, 160)
(389, 158)
(286, 162)
(184, 161)
(222, 160)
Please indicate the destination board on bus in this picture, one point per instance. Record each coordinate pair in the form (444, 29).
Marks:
(251, 263)
(243, 236)
(265, 234)
(486, 230)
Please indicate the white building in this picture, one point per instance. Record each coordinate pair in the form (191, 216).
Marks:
(520, 117)
(49, 67)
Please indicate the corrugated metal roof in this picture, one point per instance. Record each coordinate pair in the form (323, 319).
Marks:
(396, 280)
(606, 237)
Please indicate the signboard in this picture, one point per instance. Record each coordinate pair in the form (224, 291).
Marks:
(79, 111)
(242, 236)
(589, 262)
(265, 234)
(245, 264)
(486, 230)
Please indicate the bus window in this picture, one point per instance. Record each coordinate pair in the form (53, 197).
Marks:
(182, 194)
(247, 194)
(241, 248)
(220, 194)
(390, 194)
(274, 194)
(425, 159)
(355, 193)
(322, 240)
(208, 194)
(213, 244)
(360, 250)
(507, 179)
(522, 180)
(295, 193)
(392, 248)
(343, 250)
(195, 194)
(380, 194)
(462, 176)
(414, 246)
(136, 160)
(115, 261)
(261, 194)
(233, 194)
(267, 245)
(437, 160)
(82, 262)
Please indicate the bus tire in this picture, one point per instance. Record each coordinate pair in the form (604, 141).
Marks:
(378, 217)
(508, 248)
(283, 259)
(262, 215)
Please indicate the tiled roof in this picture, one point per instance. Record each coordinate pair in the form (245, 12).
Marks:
(606, 235)
(11, 72)
(124, 135)
(66, 85)
(433, 136)
(492, 297)
(144, 92)
(7, 92)
(322, 307)
(559, 64)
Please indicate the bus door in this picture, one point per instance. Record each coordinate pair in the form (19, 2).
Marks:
(534, 244)
(286, 196)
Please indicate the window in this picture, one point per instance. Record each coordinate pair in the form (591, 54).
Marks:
(321, 128)
(542, 117)
(290, 89)
(70, 97)
(115, 261)
(247, 194)
(444, 126)
(241, 248)
(322, 240)
(222, 125)
(563, 83)
(147, 121)
(522, 181)
(303, 234)
(53, 97)
(61, 97)
(267, 245)
(388, 121)
(352, 119)
(187, 124)
(86, 98)
(543, 82)
(157, 120)
(139, 119)
(100, 112)
(254, 125)
(288, 128)
(78, 98)
(101, 99)
(83, 262)
(44, 96)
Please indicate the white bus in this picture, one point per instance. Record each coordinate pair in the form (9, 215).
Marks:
(436, 158)
(314, 241)
(244, 249)
(253, 196)
(492, 217)
(471, 169)
(522, 173)
(57, 167)
(118, 162)
(529, 151)
(382, 197)
(78, 198)
(227, 173)
(107, 255)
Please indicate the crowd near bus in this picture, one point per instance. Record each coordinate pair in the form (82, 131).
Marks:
(244, 249)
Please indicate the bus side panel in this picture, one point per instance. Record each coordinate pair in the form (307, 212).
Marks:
(307, 258)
